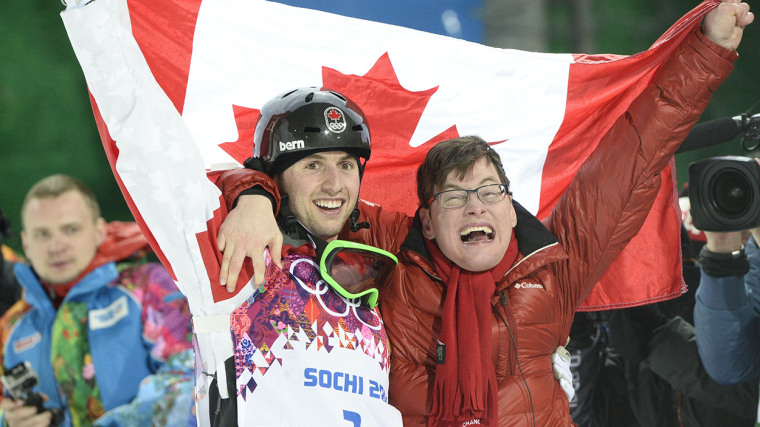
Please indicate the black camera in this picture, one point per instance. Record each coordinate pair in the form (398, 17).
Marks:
(19, 382)
(751, 128)
(724, 193)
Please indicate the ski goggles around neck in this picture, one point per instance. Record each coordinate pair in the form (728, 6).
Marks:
(355, 270)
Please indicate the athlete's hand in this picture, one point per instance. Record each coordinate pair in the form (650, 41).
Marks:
(246, 231)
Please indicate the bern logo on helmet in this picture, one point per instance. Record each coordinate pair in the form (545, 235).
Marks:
(335, 120)
(291, 145)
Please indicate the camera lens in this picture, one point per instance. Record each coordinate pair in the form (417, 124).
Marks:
(725, 193)
(731, 194)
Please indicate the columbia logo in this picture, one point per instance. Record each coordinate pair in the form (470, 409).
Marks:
(525, 285)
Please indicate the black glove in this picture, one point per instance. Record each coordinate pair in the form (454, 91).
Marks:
(631, 329)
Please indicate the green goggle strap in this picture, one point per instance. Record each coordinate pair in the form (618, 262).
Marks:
(372, 293)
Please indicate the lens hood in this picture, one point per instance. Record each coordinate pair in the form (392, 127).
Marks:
(724, 193)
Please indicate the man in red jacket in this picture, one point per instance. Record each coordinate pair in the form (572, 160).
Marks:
(484, 291)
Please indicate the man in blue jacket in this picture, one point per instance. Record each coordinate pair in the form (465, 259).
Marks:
(726, 312)
(92, 326)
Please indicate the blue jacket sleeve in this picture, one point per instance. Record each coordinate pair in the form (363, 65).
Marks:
(752, 280)
(164, 398)
(727, 324)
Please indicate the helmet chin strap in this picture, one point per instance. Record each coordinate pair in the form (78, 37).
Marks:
(361, 167)
(291, 228)
(354, 217)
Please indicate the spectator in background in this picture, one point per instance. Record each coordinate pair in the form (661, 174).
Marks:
(601, 396)
(10, 291)
(93, 322)
(651, 369)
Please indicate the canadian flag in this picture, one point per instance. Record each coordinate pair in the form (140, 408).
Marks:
(176, 87)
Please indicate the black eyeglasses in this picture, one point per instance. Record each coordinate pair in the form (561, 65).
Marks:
(452, 199)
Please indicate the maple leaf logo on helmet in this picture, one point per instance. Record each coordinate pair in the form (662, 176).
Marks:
(334, 120)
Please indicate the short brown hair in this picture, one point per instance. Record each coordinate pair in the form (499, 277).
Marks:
(54, 186)
(454, 155)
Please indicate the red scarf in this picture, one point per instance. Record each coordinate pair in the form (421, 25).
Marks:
(465, 384)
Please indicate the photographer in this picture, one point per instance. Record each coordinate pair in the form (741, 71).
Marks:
(650, 372)
(726, 312)
(725, 204)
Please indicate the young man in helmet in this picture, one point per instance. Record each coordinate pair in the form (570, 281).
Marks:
(310, 346)
(484, 291)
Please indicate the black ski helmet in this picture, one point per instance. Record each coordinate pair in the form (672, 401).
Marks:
(305, 121)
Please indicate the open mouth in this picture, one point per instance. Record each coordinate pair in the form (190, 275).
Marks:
(330, 205)
(476, 234)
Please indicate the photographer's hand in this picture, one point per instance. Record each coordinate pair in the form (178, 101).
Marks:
(18, 415)
(724, 242)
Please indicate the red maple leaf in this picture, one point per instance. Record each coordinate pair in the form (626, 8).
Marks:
(246, 119)
(333, 114)
(393, 114)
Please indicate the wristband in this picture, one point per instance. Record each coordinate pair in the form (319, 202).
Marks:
(718, 264)
(256, 191)
(722, 256)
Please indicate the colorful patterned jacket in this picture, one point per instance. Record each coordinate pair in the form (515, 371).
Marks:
(304, 355)
(118, 325)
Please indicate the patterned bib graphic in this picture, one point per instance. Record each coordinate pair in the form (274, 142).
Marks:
(296, 310)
